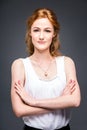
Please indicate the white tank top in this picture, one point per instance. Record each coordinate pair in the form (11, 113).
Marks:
(42, 89)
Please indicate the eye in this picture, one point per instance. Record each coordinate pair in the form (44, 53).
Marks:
(48, 30)
(35, 30)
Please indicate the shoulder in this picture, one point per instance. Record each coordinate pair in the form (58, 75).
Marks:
(69, 65)
(68, 60)
(17, 70)
(17, 64)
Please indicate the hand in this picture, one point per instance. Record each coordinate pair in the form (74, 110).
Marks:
(70, 88)
(20, 90)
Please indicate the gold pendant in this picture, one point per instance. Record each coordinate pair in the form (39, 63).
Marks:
(45, 74)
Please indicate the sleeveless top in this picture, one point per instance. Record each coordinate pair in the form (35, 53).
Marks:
(42, 89)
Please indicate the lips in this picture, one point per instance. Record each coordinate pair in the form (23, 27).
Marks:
(41, 42)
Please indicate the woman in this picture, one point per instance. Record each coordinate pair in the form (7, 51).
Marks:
(44, 84)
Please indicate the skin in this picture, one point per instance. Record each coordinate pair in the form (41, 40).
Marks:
(23, 104)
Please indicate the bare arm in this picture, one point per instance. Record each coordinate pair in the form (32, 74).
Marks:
(65, 100)
(69, 98)
(19, 107)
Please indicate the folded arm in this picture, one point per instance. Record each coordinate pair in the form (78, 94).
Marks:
(70, 96)
(20, 108)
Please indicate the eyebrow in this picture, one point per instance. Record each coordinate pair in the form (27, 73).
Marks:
(44, 28)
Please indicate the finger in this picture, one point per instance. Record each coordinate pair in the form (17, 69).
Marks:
(18, 87)
(18, 91)
(72, 88)
(19, 82)
(69, 82)
(71, 85)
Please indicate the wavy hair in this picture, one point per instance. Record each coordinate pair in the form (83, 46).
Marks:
(44, 13)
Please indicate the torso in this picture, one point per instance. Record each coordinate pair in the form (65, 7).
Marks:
(49, 73)
(42, 88)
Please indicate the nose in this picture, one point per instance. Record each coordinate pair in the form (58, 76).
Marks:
(41, 36)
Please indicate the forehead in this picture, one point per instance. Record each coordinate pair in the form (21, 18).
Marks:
(42, 22)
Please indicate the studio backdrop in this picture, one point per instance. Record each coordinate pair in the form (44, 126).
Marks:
(72, 15)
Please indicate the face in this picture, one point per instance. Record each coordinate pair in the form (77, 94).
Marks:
(42, 33)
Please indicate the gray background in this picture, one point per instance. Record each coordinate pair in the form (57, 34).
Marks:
(72, 15)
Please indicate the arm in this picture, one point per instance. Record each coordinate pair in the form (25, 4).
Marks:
(65, 100)
(69, 98)
(19, 107)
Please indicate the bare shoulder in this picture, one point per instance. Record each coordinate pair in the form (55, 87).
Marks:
(68, 60)
(69, 64)
(17, 70)
(17, 64)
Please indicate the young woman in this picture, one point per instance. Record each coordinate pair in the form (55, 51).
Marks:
(44, 85)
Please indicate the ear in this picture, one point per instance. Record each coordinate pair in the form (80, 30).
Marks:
(53, 35)
(30, 33)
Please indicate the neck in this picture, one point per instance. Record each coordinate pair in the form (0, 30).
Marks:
(41, 57)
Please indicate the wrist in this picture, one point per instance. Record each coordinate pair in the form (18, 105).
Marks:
(33, 103)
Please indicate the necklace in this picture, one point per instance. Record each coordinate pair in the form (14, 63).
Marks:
(45, 70)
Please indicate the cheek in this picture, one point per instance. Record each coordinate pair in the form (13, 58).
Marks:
(49, 38)
(34, 37)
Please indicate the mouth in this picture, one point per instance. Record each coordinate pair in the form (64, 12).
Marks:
(41, 42)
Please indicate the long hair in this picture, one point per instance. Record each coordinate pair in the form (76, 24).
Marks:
(44, 13)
